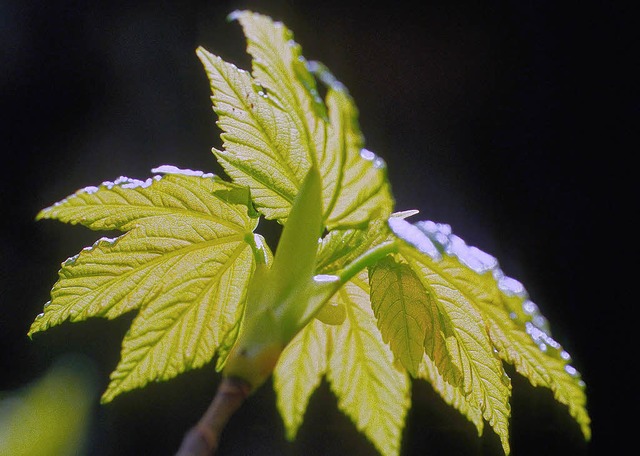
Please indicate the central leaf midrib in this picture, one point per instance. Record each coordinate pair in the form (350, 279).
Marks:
(159, 211)
(212, 282)
(407, 333)
(188, 308)
(474, 370)
(275, 57)
(247, 108)
(344, 295)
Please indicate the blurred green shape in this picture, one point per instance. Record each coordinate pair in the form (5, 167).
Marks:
(51, 416)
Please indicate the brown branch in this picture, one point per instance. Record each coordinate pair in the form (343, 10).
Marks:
(203, 438)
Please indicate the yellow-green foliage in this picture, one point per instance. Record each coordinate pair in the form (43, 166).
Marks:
(394, 300)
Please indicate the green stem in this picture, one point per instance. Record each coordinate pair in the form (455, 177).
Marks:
(367, 259)
(325, 289)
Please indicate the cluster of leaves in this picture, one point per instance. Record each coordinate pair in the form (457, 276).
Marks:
(430, 307)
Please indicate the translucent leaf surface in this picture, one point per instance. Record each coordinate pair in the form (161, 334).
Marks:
(517, 331)
(279, 68)
(370, 389)
(181, 329)
(262, 146)
(483, 379)
(361, 192)
(340, 247)
(359, 366)
(453, 394)
(400, 305)
(516, 327)
(300, 369)
(126, 203)
(275, 125)
(409, 319)
(436, 309)
(184, 264)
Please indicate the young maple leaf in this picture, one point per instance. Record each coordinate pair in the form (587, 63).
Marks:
(184, 264)
(391, 300)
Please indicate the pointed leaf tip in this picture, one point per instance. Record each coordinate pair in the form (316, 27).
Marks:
(236, 14)
(184, 263)
(275, 126)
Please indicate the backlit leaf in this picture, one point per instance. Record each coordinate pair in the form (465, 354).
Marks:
(391, 299)
(483, 379)
(453, 395)
(516, 327)
(401, 306)
(300, 369)
(360, 368)
(361, 192)
(518, 332)
(125, 202)
(409, 319)
(362, 374)
(342, 246)
(182, 328)
(262, 146)
(279, 67)
(275, 125)
(184, 264)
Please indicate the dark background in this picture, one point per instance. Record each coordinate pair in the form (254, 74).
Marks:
(508, 120)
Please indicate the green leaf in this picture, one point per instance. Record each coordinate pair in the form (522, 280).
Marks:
(517, 329)
(182, 328)
(339, 247)
(541, 359)
(126, 203)
(279, 67)
(436, 309)
(408, 318)
(352, 353)
(185, 264)
(343, 249)
(483, 379)
(298, 373)
(359, 356)
(275, 126)
(361, 192)
(452, 394)
(262, 146)
(400, 303)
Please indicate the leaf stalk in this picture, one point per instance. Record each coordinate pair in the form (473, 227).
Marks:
(369, 258)
(203, 438)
